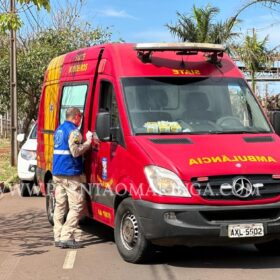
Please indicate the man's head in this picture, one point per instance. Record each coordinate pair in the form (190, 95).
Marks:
(74, 115)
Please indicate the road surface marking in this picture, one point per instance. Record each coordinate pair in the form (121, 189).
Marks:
(69, 260)
(8, 267)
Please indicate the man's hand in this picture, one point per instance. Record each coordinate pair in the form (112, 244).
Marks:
(89, 136)
(96, 140)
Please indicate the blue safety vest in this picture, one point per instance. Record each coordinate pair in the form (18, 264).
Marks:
(63, 162)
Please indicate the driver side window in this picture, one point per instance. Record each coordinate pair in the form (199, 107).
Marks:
(108, 103)
(239, 104)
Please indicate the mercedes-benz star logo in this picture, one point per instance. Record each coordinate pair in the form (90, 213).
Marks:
(242, 187)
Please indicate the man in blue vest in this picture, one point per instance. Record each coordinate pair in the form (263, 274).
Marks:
(67, 177)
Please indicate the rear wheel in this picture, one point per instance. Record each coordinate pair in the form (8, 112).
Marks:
(269, 248)
(131, 243)
(26, 188)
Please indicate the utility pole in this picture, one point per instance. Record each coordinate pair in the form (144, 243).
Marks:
(13, 90)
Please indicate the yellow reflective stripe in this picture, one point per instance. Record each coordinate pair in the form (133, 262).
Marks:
(50, 110)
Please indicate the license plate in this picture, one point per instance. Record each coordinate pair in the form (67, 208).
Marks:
(245, 230)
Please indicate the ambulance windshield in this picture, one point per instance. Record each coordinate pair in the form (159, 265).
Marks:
(192, 105)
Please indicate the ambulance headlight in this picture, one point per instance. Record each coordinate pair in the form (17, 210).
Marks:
(165, 182)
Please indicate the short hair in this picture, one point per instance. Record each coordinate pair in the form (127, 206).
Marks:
(72, 112)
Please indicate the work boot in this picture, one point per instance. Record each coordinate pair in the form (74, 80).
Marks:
(71, 244)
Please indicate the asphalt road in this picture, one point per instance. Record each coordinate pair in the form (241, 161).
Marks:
(27, 252)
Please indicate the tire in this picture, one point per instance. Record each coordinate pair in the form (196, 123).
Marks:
(271, 248)
(26, 188)
(130, 241)
(50, 203)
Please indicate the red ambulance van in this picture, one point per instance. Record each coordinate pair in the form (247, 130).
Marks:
(187, 155)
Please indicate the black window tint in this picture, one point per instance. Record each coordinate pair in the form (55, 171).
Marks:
(33, 134)
(108, 103)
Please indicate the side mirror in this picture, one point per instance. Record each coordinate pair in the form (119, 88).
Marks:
(274, 117)
(103, 126)
(20, 137)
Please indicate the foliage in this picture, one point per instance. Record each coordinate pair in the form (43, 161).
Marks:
(38, 3)
(7, 171)
(267, 3)
(4, 73)
(201, 27)
(9, 20)
(34, 53)
(254, 54)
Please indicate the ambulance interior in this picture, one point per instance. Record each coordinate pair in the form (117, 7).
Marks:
(194, 106)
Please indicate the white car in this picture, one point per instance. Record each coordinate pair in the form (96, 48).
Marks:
(27, 162)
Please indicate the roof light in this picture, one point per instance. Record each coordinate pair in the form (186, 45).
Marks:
(205, 47)
(212, 51)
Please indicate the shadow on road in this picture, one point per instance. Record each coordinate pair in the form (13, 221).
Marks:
(235, 257)
(24, 234)
(29, 233)
(95, 232)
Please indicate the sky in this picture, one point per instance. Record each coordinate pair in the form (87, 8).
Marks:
(145, 20)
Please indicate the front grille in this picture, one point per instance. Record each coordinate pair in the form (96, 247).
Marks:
(213, 188)
(237, 215)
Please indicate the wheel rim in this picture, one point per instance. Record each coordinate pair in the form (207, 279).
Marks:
(129, 231)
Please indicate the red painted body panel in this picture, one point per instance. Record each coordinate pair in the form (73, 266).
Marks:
(103, 214)
(177, 157)
(127, 64)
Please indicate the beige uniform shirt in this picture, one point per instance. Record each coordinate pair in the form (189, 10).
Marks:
(77, 148)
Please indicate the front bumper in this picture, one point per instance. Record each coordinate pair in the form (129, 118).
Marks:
(26, 169)
(194, 225)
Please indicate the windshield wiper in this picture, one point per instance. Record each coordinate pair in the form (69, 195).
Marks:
(206, 132)
(174, 133)
(239, 132)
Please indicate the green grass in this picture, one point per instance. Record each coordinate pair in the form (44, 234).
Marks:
(6, 170)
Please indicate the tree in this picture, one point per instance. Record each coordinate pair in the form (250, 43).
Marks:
(267, 3)
(34, 58)
(36, 49)
(254, 54)
(200, 26)
(10, 20)
(4, 72)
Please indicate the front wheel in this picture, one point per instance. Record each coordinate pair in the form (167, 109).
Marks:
(271, 248)
(131, 243)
